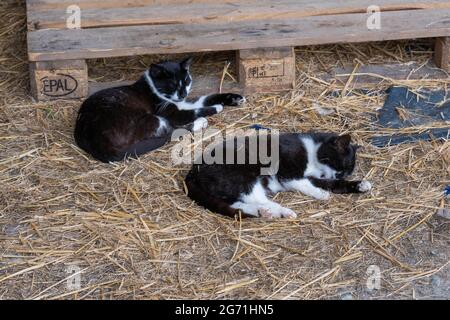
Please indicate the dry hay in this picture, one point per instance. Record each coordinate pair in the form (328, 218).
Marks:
(134, 234)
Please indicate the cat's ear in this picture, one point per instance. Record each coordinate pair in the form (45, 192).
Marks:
(186, 63)
(157, 71)
(343, 142)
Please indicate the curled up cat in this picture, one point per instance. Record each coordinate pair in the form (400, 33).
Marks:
(315, 164)
(116, 123)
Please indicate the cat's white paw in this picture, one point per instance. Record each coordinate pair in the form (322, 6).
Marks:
(288, 213)
(271, 212)
(199, 124)
(322, 195)
(218, 107)
(265, 213)
(239, 101)
(364, 186)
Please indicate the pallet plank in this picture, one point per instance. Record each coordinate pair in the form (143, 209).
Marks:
(163, 39)
(442, 53)
(113, 13)
(40, 5)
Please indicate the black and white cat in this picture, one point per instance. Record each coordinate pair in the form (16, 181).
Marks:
(131, 120)
(314, 164)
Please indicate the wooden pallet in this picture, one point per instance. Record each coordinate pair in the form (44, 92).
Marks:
(263, 32)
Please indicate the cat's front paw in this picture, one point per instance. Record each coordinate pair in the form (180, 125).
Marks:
(234, 100)
(364, 186)
(199, 124)
(322, 195)
(265, 213)
(218, 107)
(288, 213)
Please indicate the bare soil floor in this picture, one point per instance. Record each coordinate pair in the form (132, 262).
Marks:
(129, 231)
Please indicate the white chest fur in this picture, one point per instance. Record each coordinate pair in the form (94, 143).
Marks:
(314, 168)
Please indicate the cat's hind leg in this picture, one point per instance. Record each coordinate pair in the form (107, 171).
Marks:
(268, 210)
(275, 210)
(257, 204)
(251, 209)
(153, 131)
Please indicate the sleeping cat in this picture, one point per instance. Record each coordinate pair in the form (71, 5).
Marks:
(131, 120)
(314, 164)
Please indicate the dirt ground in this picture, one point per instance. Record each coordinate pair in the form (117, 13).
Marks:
(127, 230)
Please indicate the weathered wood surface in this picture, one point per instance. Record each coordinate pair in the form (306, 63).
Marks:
(59, 80)
(370, 75)
(442, 53)
(334, 4)
(55, 4)
(43, 14)
(179, 38)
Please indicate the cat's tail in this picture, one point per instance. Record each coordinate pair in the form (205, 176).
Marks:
(205, 199)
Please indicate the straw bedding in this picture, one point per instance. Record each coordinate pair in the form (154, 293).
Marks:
(131, 233)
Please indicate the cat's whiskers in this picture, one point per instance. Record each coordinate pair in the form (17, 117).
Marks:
(162, 106)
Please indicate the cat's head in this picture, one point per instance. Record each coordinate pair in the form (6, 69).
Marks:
(172, 80)
(339, 154)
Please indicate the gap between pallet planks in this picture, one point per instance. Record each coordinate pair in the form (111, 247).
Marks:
(201, 86)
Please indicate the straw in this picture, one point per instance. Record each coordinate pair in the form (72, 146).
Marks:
(133, 233)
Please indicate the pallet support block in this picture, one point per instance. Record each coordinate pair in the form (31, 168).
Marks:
(65, 79)
(266, 69)
(442, 53)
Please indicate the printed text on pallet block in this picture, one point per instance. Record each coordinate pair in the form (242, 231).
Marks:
(65, 79)
(266, 69)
